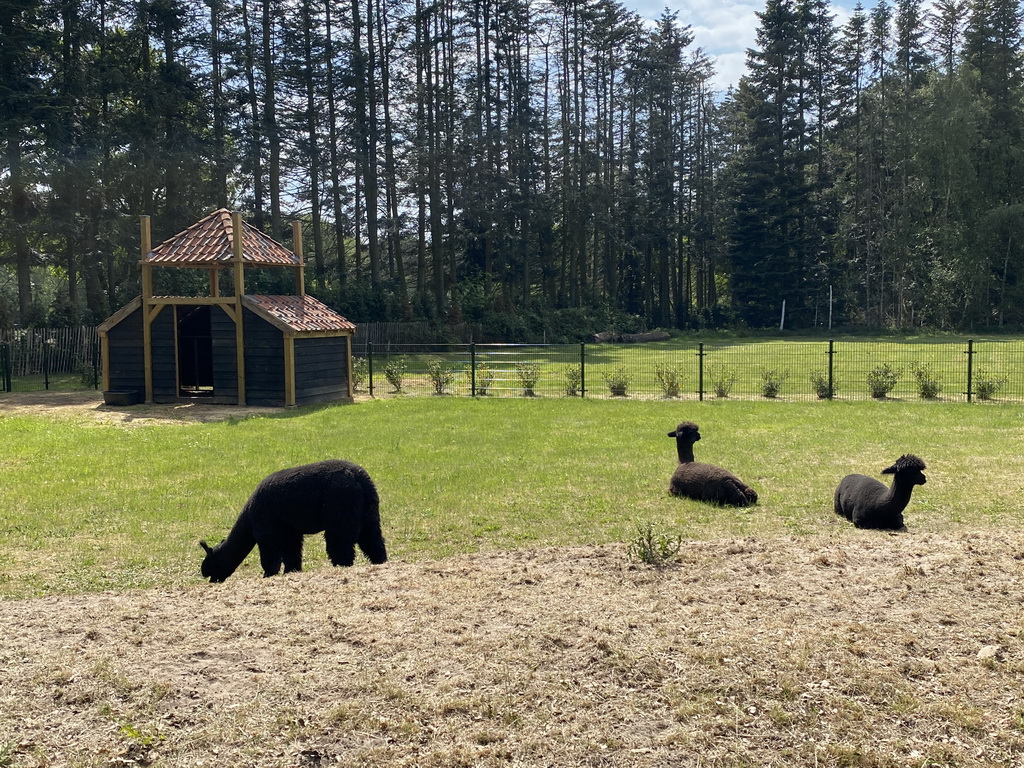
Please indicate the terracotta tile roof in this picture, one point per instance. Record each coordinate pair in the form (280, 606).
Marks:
(298, 313)
(209, 242)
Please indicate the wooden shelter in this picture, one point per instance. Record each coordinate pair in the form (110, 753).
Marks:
(238, 348)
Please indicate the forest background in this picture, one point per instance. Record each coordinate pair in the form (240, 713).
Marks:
(562, 164)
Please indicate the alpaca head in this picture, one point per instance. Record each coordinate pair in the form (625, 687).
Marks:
(908, 468)
(213, 567)
(686, 431)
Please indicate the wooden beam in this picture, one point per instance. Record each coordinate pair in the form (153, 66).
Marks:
(105, 359)
(289, 370)
(147, 297)
(300, 269)
(236, 242)
(348, 366)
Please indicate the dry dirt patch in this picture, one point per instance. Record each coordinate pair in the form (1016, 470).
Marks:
(849, 650)
(88, 404)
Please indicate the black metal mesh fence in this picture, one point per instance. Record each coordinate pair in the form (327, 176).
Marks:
(789, 370)
(942, 369)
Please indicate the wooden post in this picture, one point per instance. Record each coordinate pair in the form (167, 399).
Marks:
(146, 237)
(236, 244)
(348, 365)
(105, 359)
(289, 370)
(300, 268)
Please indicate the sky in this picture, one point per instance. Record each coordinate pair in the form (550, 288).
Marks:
(725, 29)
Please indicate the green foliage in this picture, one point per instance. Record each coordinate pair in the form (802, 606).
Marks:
(528, 374)
(928, 384)
(394, 372)
(7, 751)
(573, 380)
(618, 381)
(360, 371)
(722, 378)
(882, 379)
(654, 549)
(669, 378)
(772, 380)
(484, 378)
(442, 376)
(988, 384)
(819, 380)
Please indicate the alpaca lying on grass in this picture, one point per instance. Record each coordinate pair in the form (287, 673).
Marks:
(336, 497)
(867, 503)
(705, 482)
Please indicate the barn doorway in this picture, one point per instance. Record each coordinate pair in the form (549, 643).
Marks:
(195, 352)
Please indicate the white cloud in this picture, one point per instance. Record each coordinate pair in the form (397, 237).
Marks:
(724, 29)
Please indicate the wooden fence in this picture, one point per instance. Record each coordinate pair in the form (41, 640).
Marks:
(35, 351)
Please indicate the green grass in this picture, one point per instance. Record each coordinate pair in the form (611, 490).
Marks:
(90, 507)
(797, 359)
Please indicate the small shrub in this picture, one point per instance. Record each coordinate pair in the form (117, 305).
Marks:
(928, 385)
(670, 379)
(360, 370)
(618, 381)
(573, 380)
(528, 374)
(655, 549)
(394, 372)
(988, 384)
(882, 379)
(819, 380)
(441, 376)
(484, 379)
(722, 378)
(772, 380)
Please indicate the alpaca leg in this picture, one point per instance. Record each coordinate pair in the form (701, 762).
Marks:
(341, 545)
(270, 558)
(292, 549)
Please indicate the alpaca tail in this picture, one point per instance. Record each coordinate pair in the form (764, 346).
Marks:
(371, 540)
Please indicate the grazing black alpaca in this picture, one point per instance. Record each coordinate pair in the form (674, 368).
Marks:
(867, 503)
(336, 497)
(705, 482)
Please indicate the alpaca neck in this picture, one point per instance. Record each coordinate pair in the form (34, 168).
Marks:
(685, 451)
(239, 543)
(899, 495)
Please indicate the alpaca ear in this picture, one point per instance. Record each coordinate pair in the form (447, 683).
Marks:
(889, 470)
(672, 433)
(207, 547)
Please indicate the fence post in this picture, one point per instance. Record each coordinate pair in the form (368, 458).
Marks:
(583, 369)
(369, 364)
(700, 370)
(46, 359)
(970, 368)
(472, 369)
(831, 355)
(5, 367)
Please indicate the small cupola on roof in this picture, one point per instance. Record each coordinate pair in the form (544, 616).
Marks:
(244, 349)
(211, 242)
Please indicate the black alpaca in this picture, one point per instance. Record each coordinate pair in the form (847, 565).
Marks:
(336, 497)
(705, 482)
(867, 503)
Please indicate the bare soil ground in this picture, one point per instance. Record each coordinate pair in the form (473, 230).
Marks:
(855, 649)
(88, 404)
